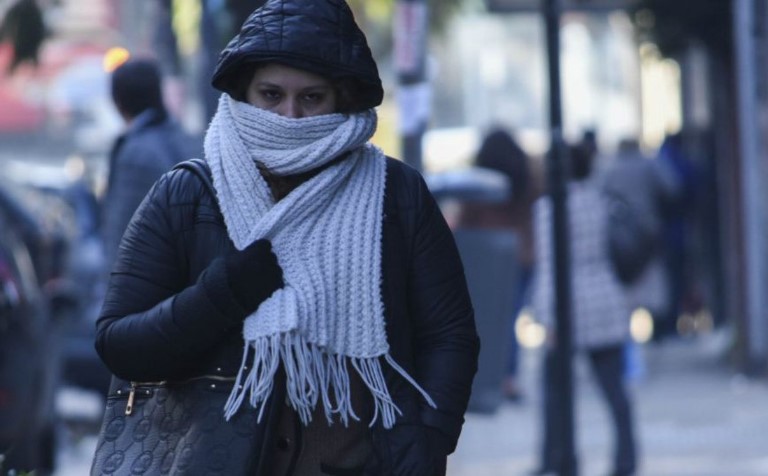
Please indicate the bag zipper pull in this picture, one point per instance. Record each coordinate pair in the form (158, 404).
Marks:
(131, 395)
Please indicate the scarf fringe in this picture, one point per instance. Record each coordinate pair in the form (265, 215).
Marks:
(312, 375)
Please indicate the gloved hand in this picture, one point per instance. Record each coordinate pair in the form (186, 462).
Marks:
(409, 450)
(253, 274)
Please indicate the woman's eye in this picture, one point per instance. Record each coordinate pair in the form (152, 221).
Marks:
(314, 97)
(270, 94)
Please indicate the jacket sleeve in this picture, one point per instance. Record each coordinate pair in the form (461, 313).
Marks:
(154, 324)
(446, 344)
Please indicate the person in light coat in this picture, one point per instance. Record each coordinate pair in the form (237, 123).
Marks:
(600, 310)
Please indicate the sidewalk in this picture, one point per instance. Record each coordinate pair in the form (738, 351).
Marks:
(694, 417)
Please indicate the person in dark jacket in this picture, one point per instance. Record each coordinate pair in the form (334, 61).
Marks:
(150, 146)
(320, 274)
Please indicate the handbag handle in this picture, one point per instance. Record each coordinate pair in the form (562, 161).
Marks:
(119, 387)
(200, 168)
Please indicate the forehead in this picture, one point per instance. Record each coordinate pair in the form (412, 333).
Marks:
(278, 74)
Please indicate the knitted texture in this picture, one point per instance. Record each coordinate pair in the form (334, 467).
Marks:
(327, 236)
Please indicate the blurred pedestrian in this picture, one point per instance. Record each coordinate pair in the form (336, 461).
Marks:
(152, 143)
(678, 216)
(23, 26)
(499, 151)
(600, 310)
(650, 187)
(318, 279)
(647, 186)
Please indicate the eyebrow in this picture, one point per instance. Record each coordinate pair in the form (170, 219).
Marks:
(275, 85)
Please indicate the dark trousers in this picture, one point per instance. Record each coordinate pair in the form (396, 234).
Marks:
(607, 365)
(665, 322)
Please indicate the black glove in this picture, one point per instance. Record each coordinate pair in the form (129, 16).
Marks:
(253, 274)
(409, 450)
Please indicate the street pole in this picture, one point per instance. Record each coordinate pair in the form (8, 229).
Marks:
(754, 224)
(210, 45)
(557, 172)
(411, 28)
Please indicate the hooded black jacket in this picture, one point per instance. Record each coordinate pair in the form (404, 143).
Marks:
(158, 321)
(317, 36)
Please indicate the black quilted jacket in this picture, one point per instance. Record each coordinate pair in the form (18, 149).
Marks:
(158, 322)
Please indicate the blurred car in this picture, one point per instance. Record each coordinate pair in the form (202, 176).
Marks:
(69, 211)
(28, 357)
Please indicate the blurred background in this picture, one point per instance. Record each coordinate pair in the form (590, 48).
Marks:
(636, 75)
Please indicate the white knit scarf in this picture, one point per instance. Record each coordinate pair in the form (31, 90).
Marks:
(327, 237)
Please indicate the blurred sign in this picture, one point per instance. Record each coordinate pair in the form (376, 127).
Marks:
(510, 6)
(415, 101)
(410, 38)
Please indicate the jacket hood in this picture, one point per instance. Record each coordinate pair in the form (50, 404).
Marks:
(319, 36)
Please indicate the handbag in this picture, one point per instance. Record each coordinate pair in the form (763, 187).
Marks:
(178, 428)
(632, 239)
(158, 428)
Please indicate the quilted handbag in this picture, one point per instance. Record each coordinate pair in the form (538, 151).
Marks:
(178, 428)
(175, 429)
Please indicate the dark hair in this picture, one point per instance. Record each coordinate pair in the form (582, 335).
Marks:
(348, 97)
(581, 156)
(137, 86)
(499, 151)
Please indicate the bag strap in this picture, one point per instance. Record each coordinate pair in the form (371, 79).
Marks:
(200, 168)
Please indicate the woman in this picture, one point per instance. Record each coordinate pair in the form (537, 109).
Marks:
(500, 151)
(600, 310)
(321, 273)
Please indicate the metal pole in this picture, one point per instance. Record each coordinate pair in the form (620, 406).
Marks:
(209, 52)
(411, 28)
(752, 192)
(557, 189)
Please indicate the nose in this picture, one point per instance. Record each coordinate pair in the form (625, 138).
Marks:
(290, 108)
